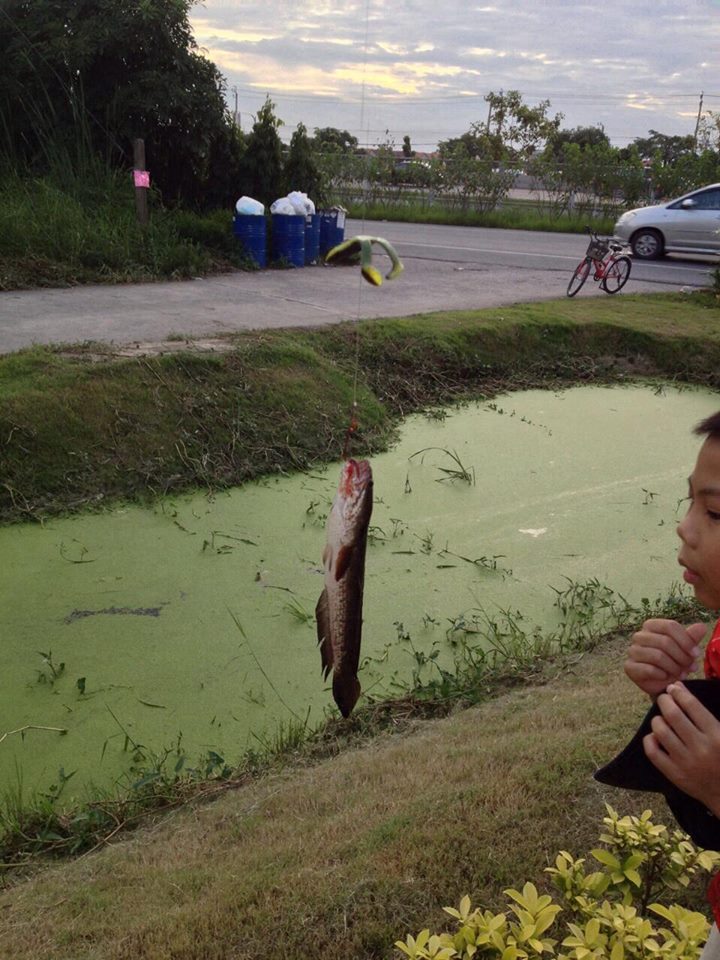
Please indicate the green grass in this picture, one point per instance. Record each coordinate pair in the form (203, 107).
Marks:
(55, 234)
(512, 215)
(340, 856)
(81, 430)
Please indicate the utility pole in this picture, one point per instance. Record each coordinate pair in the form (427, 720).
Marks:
(697, 122)
(235, 114)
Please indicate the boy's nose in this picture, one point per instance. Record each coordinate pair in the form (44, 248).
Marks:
(686, 530)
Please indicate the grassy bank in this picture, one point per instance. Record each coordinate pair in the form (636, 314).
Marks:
(83, 428)
(339, 858)
(85, 230)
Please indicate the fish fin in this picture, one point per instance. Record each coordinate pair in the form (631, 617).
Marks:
(344, 558)
(322, 620)
(346, 692)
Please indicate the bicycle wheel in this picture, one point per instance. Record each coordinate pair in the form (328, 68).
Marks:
(617, 275)
(579, 277)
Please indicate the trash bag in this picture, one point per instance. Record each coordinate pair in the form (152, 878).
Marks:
(301, 202)
(248, 206)
(283, 206)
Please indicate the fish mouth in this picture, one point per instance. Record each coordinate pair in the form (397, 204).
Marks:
(356, 475)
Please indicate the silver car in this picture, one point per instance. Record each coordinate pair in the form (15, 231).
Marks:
(690, 224)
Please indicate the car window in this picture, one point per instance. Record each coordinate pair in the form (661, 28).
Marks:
(705, 200)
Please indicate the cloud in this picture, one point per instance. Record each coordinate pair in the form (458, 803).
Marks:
(423, 68)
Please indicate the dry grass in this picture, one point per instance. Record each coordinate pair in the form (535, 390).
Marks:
(338, 859)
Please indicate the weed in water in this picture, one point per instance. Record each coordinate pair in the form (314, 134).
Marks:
(298, 611)
(458, 472)
(51, 671)
(426, 542)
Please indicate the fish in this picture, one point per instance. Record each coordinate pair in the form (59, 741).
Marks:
(361, 247)
(338, 613)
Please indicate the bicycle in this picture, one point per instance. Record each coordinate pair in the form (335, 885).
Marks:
(612, 269)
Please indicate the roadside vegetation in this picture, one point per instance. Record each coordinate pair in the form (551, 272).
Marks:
(77, 91)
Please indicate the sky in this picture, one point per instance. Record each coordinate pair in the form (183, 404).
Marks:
(383, 70)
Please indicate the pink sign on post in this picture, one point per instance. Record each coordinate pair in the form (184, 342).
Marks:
(141, 178)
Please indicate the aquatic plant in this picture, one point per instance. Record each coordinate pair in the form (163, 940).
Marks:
(298, 611)
(51, 671)
(458, 472)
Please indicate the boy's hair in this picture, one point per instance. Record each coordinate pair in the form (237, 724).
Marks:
(710, 427)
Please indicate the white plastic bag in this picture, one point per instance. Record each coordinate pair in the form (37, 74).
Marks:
(303, 206)
(283, 205)
(248, 206)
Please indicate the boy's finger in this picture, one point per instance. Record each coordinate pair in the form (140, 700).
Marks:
(699, 715)
(697, 631)
(671, 634)
(677, 719)
(672, 661)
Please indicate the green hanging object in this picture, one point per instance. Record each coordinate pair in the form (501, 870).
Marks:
(361, 246)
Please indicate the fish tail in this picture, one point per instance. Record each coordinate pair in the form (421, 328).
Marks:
(346, 692)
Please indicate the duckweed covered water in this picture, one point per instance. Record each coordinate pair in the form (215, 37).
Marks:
(191, 625)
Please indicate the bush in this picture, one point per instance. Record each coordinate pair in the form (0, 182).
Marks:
(605, 913)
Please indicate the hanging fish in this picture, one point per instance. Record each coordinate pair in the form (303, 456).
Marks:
(362, 246)
(339, 610)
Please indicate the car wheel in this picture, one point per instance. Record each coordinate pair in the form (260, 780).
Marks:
(647, 245)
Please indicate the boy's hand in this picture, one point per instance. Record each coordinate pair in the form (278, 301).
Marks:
(685, 745)
(662, 652)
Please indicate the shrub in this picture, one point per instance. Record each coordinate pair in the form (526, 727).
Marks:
(604, 913)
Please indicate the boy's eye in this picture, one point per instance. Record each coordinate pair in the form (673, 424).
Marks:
(713, 514)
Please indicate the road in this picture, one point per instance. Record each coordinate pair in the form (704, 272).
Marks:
(446, 268)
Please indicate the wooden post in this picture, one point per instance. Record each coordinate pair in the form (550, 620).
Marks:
(141, 204)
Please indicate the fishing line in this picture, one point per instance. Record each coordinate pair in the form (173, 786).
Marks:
(354, 424)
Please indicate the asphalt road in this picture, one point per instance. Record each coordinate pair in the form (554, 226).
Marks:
(446, 268)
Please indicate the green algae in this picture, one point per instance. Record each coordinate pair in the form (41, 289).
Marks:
(190, 626)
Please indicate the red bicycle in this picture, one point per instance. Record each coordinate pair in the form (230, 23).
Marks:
(612, 267)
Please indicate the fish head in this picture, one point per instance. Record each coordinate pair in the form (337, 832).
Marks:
(355, 492)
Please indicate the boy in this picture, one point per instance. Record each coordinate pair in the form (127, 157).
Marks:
(685, 739)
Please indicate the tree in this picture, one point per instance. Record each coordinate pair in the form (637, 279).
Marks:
(513, 131)
(407, 149)
(663, 147)
(584, 137)
(263, 161)
(301, 169)
(96, 74)
(332, 140)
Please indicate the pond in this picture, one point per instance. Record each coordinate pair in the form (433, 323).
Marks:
(190, 625)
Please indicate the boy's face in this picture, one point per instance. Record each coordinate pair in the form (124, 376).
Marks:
(700, 528)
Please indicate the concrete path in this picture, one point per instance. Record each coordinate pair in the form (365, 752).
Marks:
(445, 274)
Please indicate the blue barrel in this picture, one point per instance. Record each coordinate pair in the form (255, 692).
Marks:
(312, 238)
(288, 239)
(332, 229)
(252, 232)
